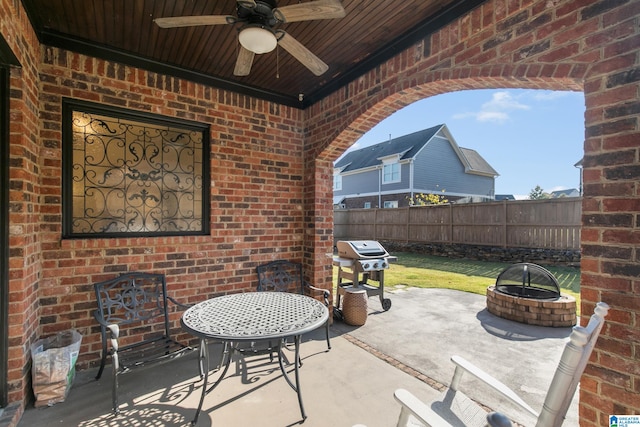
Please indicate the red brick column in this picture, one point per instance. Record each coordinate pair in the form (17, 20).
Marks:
(611, 213)
(318, 223)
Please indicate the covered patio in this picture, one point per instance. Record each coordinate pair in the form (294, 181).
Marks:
(406, 347)
(265, 145)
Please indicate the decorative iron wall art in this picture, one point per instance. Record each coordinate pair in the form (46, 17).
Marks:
(127, 173)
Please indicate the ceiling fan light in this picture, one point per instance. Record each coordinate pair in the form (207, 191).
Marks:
(257, 39)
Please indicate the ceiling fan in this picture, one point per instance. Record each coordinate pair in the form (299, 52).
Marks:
(258, 33)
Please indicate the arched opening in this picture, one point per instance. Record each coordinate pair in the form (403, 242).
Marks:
(351, 123)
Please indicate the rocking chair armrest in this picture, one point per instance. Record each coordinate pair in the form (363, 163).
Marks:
(463, 365)
(411, 405)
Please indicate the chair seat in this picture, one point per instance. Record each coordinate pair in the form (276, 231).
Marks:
(151, 352)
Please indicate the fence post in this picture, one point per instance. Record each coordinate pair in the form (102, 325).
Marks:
(451, 222)
(408, 222)
(504, 228)
(375, 225)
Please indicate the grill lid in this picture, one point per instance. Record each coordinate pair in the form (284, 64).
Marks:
(528, 281)
(360, 249)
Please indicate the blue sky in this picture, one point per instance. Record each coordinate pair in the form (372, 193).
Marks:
(531, 137)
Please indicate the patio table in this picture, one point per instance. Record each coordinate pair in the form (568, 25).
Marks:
(251, 317)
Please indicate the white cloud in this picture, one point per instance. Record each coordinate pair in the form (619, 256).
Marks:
(495, 110)
(492, 116)
(503, 101)
(550, 95)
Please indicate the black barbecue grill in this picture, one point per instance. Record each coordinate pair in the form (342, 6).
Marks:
(361, 262)
(528, 280)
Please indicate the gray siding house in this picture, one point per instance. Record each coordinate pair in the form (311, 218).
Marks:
(389, 174)
(570, 192)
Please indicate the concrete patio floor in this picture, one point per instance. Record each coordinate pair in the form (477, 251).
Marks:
(408, 346)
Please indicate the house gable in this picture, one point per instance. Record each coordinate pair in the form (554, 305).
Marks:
(442, 166)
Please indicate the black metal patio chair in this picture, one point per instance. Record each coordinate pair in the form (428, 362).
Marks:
(286, 276)
(127, 303)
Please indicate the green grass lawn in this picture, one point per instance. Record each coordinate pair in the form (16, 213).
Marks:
(426, 271)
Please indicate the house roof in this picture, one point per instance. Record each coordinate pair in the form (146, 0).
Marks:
(407, 147)
(569, 192)
(477, 163)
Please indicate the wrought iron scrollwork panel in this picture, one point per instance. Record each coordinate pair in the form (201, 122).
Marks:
(135, 177)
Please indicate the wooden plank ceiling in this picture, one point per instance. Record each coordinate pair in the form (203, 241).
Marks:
(124, 31)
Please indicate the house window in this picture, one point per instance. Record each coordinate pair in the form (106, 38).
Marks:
(367, 205)
(390, 173)
(391, 204)
(337, 181)
(127, 173)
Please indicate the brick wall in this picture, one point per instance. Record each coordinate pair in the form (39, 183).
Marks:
(589, 45)
(256, 176)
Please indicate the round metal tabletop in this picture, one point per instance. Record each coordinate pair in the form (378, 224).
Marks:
(254, 315)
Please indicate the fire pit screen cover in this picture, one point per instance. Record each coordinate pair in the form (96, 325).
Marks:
(528, 281)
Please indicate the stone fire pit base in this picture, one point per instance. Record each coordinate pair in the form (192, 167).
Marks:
(558, 313)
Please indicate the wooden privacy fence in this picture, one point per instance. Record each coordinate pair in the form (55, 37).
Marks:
(545, 224)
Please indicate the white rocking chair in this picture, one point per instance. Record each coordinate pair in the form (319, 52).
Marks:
(453, 408)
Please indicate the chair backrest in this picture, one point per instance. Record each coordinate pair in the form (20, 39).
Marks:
(572, 364)
(133, 297)
(280, 276)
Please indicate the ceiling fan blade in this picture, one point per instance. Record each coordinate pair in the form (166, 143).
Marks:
(319, 9)
(244, 62)
(302, 54)
(191, 21)
(247, 4)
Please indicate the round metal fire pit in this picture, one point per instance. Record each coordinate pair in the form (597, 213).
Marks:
(528, 280)
(528, 293)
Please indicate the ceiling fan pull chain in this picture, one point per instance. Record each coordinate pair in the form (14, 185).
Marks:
(277, 63)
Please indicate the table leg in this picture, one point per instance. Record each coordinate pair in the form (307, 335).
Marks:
(227, 349)
(204, 367)
(295, 386)
(297, 341)
(204, 371)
